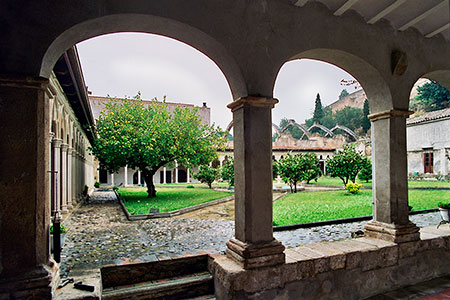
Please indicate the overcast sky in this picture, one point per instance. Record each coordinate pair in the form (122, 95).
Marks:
(124, 63)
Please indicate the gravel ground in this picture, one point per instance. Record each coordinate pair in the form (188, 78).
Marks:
(100, 234)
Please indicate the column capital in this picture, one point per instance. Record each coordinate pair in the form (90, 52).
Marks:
(56, 142)
(64, 147)
(30, 82)
(387, 114)
(252, 101)
(51, 135)
(70, 150)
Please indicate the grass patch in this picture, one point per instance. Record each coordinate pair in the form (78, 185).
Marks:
(167, 199)
(305, 207)
(197, 184)
(329, 181)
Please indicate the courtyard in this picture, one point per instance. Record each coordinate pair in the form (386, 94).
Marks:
(100, 234)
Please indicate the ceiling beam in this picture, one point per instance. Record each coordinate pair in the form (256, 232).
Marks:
(386, 11)
(300, 2)
(439, 30)
(424, 15)
(346, 6)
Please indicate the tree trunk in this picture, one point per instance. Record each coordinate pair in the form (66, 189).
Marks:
(148, 178)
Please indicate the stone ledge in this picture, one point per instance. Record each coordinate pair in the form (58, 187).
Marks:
(351, 268)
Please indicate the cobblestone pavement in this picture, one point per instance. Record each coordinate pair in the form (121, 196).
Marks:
(100, 234)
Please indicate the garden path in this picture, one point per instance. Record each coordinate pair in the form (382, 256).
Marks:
(100, 234)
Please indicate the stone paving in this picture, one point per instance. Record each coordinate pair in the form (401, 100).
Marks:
(100, 234)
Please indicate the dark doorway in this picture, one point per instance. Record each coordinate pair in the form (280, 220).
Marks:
(135, 178)
(428, 162)
(103, 176)
(168, 177)
(322, 167)
(182, 176)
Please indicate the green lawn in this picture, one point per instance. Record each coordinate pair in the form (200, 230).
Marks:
(412, 183)
(167, 199)
(307, 207)
(197, 184)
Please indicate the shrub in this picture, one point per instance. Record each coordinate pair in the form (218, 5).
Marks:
(115, 188)
(206, 174)
(346, 164)
(190, 186)
(353, 188)
(227, 172)
(97, 184)
(444, 204)
(62, 229)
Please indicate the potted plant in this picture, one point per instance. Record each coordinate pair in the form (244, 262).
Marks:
(444, 208)
(97, 184)
(63, 231)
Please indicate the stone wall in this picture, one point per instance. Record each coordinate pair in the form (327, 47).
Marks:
(348, 269)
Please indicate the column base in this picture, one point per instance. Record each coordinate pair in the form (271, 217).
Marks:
(251, 256)
(39, 283)
(392, 232)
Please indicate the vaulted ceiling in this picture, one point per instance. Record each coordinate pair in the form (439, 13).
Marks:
(429, 17)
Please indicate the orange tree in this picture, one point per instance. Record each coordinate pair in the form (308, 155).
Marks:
(148, 136)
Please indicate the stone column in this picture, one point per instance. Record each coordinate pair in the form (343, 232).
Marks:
(50, 169)
(390, 179)
(139, 177)
(69, 179)
(112, 179)
(253, 245)
(176, 172)
(56, 177)
(125, 175)
(164, 175)
(63, 177)
(74, 177)
(188, 179)
(26, 269)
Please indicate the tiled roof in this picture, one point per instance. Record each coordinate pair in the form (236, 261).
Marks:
(430, 116)
(144, 101)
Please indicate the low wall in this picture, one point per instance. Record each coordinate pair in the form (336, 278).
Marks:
(347, 269)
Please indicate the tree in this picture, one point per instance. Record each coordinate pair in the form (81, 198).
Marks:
(343, 94)
(366, 171)
(432, 96)
(350, 117)
(206, 174)
(365, 124)
(227, 171)
(318, 110)
(147, 137)
(346, 164)
(296, 132)
(299, 167)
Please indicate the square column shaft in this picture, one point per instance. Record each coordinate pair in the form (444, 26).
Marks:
(253, 245)
(26, 271)
(390, 179)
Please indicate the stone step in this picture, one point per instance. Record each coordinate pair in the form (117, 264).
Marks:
(186, 287)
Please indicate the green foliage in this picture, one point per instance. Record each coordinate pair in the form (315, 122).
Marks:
(299, 167)
(366, 172)
(350, 117)
(365, 123)
(431, 96)
(190, 186)
(444, 204)
(318, 110)
(343, 94)
(296, 132)
(147, 137)
(346, 164)
(115, 188)
(97, 184)
(206, 174)
(62, 229)
(353, 188)
(227, 171)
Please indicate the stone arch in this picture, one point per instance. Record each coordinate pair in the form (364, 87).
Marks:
(274, 126)
(317, 125)
(300, 126)
(371, 80)
(146, 23)
(346, 129)
(440, 76)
